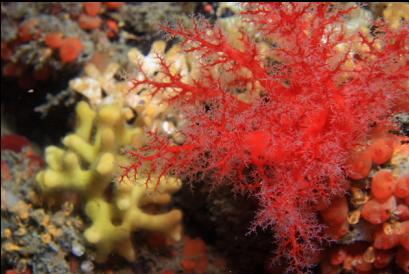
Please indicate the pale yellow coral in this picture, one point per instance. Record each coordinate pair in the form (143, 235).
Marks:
(151, 109)
(101, 87)
(150, 64)
(127, 206)
(95, 82)
(98, 153)
(231, 25)
(88, 165)
(396, 13)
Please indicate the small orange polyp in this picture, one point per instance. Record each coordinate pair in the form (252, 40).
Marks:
(381, 151)
(358, 165)
(383, 185)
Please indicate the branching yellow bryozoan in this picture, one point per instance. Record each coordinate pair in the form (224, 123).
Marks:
(88, 165)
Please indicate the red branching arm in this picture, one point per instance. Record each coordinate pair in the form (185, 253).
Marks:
(213, 47)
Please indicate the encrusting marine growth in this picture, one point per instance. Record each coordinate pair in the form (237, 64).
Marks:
(277, 112)
(88, 166)
(372, 223)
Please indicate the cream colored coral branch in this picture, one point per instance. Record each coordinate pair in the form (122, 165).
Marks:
(88, 165)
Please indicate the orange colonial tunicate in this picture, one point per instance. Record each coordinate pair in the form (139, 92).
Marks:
(5, 172)
(383, 185)
(87, 22)
(114, 5)
(53, 39)
(348, 263)
(361, 265)
(337, 231)
(112, 28)
(336, 217)
(13, 70)
(70, 49)
(6, 51)
(404, 236)
(42, 74)
(402, 259)
(402, 187)
(194, 256)
(337, 212)
(403, 212)
(376, 212)
(327, 268)
(28, 31)
(382, 258)
(92, 8)
(404, 241)
(381, 151)
(338, 256)
(358, 165)
(383, 241)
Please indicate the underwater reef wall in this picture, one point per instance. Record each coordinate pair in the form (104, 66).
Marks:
(247, 138)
